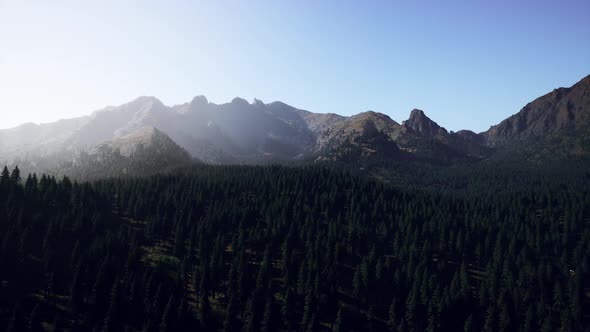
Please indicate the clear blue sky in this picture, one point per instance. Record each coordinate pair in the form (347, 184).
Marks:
(467, 64)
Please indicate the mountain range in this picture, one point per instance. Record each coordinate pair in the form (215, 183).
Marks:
(556, 125)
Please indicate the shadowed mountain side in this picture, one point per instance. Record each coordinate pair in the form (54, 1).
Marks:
(562, 111)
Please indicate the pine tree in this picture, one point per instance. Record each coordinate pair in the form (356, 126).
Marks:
(338, 323)
(76, 296)
(546, 326)
(528, 324)
(392, 323)
(504, 323)
(490, 322)
(468, 325)
(464, 279)
(266, 324)
(357, 283)
(231, 312)
(168, 312)
(34, 320)
(369, 317)
(111, 320)
(15, 175)
(287, 308)
(5, 177)
(204, 309)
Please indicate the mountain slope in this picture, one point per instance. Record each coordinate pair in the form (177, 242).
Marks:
(561, 109)
(146, 151)
(37, 139)
(364, 137)
(556, 125)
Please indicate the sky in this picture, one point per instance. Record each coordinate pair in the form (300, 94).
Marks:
(467, 64)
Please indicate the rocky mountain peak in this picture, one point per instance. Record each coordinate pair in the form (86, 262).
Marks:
(199, 101)
(147, 100)
(417, 113)
(422, 124)
(257, 102)
(237, 101)
(243, 132)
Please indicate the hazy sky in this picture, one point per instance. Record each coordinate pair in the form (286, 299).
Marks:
(467, 64)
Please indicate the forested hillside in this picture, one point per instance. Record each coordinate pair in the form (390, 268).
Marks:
(297, 249)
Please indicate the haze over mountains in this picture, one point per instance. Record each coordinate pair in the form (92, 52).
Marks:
(555, 125)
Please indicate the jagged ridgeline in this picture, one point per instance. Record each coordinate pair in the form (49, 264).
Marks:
(238, 248)
(555, 126)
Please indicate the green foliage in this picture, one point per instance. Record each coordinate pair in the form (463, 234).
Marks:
(312, 248)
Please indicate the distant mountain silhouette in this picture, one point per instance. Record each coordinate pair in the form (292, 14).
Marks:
(240, 132)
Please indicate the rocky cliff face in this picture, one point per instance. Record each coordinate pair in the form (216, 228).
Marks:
(423, 125)
(562, 110)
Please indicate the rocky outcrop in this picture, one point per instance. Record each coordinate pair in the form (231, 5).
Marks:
(423, 125)
(562, 110)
